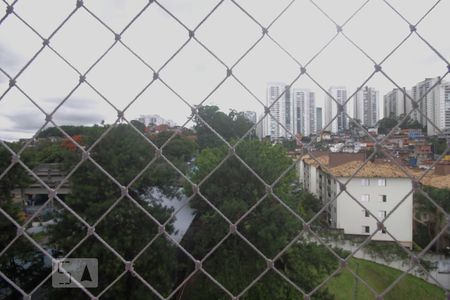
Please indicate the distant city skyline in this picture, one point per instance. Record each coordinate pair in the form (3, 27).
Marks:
(193, 74)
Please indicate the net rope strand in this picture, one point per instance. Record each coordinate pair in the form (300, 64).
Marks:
(14, 83)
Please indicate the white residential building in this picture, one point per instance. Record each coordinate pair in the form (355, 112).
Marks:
(366, 106)
(155, 120)
(304, 111)
(340, 123)
(279, 124)
(260, 126)
(378, 186)
(431, 95)
(444, 120)
(395, 103)
(250, 115)
(318, 119)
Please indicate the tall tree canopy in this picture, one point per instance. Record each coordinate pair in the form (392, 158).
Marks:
(233, 189)
(231, 126)
(22, 262)
(124, 153)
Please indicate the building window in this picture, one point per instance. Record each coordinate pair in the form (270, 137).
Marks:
(381, 214)
(365, 198)
(364, 181)
(383, 198)
(381, 182)
(366, 229)
(366, 213)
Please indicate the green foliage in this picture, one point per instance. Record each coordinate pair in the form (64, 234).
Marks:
(90, 131)
(430, 216)
(308, 207)
(179, 149)
(139, 125)
(22, 263)
(379, 277)
(386, 124)
(269, 227)
(123, 153)
(289, 144)
(389, 251)
(439, 145)
(231, 126)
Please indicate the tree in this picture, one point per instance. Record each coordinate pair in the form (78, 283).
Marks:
(385, 125)
(22, 263)
(430, 216)
(123, 153)
(289, 144)
(409, 123)
(139, 125)
(439, 145)
(90, 133)
(231, 126)
(269, 227)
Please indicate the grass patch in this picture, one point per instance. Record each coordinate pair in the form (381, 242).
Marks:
(379, 277)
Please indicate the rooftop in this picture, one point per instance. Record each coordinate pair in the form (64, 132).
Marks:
(383, 168)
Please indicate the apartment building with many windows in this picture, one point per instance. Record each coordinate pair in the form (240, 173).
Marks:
(340, 123)
(430, 95)
(292, 112)
(366, 106)
(279, 124)
(379, 186)
(304, 111)
(396, 103)
(444, 118)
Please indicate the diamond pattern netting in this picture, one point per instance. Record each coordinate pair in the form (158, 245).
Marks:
(191, 37)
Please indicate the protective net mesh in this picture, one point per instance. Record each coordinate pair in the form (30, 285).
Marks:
(155, 76)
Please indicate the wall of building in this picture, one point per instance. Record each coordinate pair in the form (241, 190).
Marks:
(340, 123)
(345, 213)
(351, 216)
(366, 106)
(279, 124)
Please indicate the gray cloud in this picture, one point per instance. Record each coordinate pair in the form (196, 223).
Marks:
(77, 111)
(7, 60)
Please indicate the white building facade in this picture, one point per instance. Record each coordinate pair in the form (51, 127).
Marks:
(395, 103)
(444, 120)
(366, 106)
(340, 123)
(432, 104)
(293, 113)
(155, 120)
(304, 111)
(279, 124)
(379, 195)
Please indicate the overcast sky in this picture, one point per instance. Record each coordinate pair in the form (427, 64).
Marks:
(155, 36)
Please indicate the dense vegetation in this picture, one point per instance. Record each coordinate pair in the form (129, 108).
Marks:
(430, 220)
(12, 261)
(386, 124)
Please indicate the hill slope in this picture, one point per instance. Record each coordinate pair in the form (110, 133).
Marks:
(379, 277)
